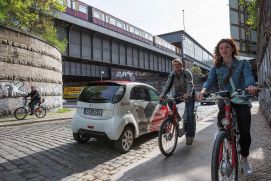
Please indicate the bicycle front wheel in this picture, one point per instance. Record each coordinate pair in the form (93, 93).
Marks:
(168, 137)
(224, 164)
(40, 112)
(20, 113)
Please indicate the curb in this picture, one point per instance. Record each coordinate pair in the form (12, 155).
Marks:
(24, 122)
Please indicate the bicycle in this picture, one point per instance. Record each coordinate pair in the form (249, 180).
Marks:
(173, 126)
(226, 150)
(21, 112)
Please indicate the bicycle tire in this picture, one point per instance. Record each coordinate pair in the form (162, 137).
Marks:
(216, 165)
(40, 111)
(166, 127)
(20, 113)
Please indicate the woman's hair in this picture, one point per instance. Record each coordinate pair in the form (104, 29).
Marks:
(218, 60)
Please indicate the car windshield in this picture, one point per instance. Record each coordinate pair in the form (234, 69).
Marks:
(98, 93)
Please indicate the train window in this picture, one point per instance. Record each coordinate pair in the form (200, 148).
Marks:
(106, 17)
(137, 32)
(61, 2)
(96, 14)
(82, 8)
(112, 21)
(74, 5)
(131, 29)
(119, 24)
(103, 17)
(69, 3)
(150, 37)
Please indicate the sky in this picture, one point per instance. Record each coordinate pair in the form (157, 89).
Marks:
(207, 21)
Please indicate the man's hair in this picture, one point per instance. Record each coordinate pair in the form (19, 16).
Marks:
(177, 60)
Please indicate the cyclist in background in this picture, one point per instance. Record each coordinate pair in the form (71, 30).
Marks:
(182, 82)
(229, 73)
(35, 98)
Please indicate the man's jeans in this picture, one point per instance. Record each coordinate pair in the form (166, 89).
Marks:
(190, 121)
(32, 104)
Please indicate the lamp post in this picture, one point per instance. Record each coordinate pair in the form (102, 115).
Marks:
(102, 72)
(183, 21)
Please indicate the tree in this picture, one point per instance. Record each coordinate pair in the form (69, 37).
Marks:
(252, 9)
(33, 16)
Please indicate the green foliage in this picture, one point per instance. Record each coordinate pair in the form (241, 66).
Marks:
(196, 71)
(62, 110)
(252, 9)
(34, 16)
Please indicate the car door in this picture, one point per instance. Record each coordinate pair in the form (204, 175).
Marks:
(159, 112)
(139, 98)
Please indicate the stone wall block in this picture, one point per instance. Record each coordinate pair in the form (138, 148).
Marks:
(26, 60)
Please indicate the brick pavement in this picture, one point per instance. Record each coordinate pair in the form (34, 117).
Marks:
(260, 152)
(30, 119)
(48, 153)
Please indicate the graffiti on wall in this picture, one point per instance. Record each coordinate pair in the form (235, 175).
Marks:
(121, 74)
(11, 93)
(12, 89)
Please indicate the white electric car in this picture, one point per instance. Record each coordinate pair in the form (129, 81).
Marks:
(117, 110)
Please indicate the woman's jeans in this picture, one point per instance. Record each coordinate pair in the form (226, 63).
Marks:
(243, 115)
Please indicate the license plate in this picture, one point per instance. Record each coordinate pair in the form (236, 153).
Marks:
(93, 112)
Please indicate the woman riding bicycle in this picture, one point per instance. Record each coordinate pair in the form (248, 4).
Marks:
(229, 73)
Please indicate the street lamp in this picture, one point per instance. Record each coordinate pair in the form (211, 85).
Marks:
(102, 72)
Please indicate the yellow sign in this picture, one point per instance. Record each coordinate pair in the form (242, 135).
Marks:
(72, 92)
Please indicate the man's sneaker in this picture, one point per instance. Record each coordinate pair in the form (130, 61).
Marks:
(189, 140)
(245, 167)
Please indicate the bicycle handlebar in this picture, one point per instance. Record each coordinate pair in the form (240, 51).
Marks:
(228, 95)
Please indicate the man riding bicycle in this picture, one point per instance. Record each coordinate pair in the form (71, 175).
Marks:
(182, 82)
(35, 98)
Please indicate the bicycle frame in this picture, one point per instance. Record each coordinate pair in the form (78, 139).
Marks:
(230, 127)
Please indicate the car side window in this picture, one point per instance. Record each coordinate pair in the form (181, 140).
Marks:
(139, 93)
(154, 95)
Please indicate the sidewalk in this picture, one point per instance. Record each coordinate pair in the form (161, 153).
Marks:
(30, 119)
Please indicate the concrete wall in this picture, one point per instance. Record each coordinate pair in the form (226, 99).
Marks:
(25, 61)
(264, 57)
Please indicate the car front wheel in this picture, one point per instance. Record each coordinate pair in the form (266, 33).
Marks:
(126, 140)
(80, 138)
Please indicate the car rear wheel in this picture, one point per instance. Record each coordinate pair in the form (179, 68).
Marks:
(126, 140)
(80, 138)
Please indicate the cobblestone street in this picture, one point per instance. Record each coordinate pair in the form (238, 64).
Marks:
(47, 151)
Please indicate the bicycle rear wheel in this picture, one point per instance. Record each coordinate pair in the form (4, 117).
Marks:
(224, 164)
(40, 111)
(168, 137)
(20, 113)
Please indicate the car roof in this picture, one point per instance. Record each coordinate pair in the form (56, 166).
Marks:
(129, 83)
